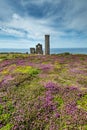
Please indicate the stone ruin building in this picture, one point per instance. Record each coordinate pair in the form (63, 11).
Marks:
(32, 50)
(39, 50)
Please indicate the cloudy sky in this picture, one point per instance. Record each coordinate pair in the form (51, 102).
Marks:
(23, 23)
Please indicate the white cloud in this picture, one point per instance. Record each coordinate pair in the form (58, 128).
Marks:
(76, 15)
(15, 16)
(72, 16)
(35, 28)
(15, 44)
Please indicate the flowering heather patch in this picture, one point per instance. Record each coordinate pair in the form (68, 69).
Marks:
(45, 67)
(7, 78)
(39, 92)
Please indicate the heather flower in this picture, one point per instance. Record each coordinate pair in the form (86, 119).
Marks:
(46, 67)
(1, 125)
(80, 95)
(48, 100)
(73, 88)
(50, 86)
(7, 78)
(71, 108)
(57, 115)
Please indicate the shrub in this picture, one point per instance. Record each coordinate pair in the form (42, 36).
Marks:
(27, 69)
(7, 127)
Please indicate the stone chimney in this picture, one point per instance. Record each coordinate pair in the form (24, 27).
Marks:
(47, 45)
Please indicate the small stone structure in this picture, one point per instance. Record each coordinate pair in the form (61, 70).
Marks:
(39, 49)
(32, 50)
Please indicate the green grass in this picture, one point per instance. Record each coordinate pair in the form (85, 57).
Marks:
(1, 109)
(7, 127)
(83, 102)
(5, 118)
(58, 100)
(6, 111)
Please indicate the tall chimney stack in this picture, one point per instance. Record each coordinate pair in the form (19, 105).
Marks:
(47, 45)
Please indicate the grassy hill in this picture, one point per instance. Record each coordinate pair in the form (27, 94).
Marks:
(39, 92)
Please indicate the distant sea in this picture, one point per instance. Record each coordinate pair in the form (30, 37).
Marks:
(52, 50)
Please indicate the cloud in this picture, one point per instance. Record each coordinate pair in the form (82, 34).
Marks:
(13, 31)
(31, 26)
(5, 11)
(75, 17)
(31, 20)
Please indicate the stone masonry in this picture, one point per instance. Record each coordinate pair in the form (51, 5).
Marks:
(32, 50)
(47, 45)
(39, 49)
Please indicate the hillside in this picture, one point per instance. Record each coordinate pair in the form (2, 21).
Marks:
(39, 92)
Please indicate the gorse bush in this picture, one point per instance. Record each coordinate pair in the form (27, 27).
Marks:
(27, 70)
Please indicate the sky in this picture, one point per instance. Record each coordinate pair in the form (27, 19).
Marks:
(23, 23)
